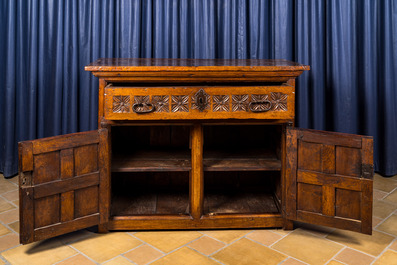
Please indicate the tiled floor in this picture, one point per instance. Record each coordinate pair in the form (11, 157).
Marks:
(305, 245)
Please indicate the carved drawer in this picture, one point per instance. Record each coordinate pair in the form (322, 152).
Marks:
(199, 102)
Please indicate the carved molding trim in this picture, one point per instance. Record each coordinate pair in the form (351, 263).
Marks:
(161, 103)
(240, 102)
(180, 103)
(121, 104)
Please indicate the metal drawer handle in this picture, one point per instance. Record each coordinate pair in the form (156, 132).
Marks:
(142, 108)
(260, 106)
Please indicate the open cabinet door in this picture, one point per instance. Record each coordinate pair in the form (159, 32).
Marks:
(329, 179)
(63, 184)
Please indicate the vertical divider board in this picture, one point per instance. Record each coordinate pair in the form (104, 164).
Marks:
(196, 174)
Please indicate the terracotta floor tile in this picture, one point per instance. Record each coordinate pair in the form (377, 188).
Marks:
(6, 186)
(335, 262)
(292, 261)
(353, 257)
(376, 221)
(394, 245)
(14, 226)
(39, 253)
(307, 247)
(12, 195)
(227, 236)
(143, 254)
(4, 230)
(13, 180)
(168, 240)
(281, 232)
(371, 244)
(392, 197)
(264, 237)
(119, 261)
(384, 184)
(75, 237)
(10, 216)
(102, 247)
(9, 241)
(378, 194)
(77, 260)
(389, 225)
(185, 256)
(206, 245)
(317, 230)
(5, 206)
(387, 258)
(245, 251)
(383, 209)
(2, 262)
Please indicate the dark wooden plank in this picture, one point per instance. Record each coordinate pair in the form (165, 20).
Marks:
(86, 201)
(311, 152)
(329, 201)
(47, 210)
(366, 206)
(196, 187)
(67, 206)
(239, 202)
(328, 159)
(291, 173)
(104, 158)
(65, 227)
(344, 204)
(172, 203)
(242, 165)
(348, 161)
(134, 203)
(185, 222)
(330, 138)
(338, 181)
(46, 167)
(67, 163)
(51, 144)
(309, 198)
(70, 184)
(337, 222)
(86, 159)
(25, 156)
(160, 64)
(26, 215)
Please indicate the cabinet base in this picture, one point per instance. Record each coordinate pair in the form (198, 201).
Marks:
(165, 222)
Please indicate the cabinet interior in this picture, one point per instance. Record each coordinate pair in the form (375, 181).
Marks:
(151, 167)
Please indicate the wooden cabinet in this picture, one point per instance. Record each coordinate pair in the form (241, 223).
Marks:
(194, 144)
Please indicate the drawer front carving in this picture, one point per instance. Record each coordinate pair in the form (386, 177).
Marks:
(193, 102)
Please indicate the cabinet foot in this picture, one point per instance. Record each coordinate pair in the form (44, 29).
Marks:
(288, 225)
(103, 229)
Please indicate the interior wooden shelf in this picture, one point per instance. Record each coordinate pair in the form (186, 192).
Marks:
(180, 160)
(152, 161)
(248, 159)
(149, 202)
(239, 202)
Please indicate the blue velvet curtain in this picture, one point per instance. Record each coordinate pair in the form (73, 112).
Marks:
(350, 45)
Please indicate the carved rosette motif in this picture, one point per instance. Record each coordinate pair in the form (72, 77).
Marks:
(121, 104)
(141, 100)
(240, 102)
(180, 103)
(279, 101)
(264, 104)
(161, 103)
(220, 103)
(201, 100)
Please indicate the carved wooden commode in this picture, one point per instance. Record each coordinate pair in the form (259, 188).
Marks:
(194, 144)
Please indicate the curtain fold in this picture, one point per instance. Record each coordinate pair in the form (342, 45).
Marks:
(350, 45)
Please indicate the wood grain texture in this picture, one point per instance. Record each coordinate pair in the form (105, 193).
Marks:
(189, 112)
(197, 173)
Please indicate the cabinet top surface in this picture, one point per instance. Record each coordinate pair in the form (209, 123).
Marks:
(152, 64)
